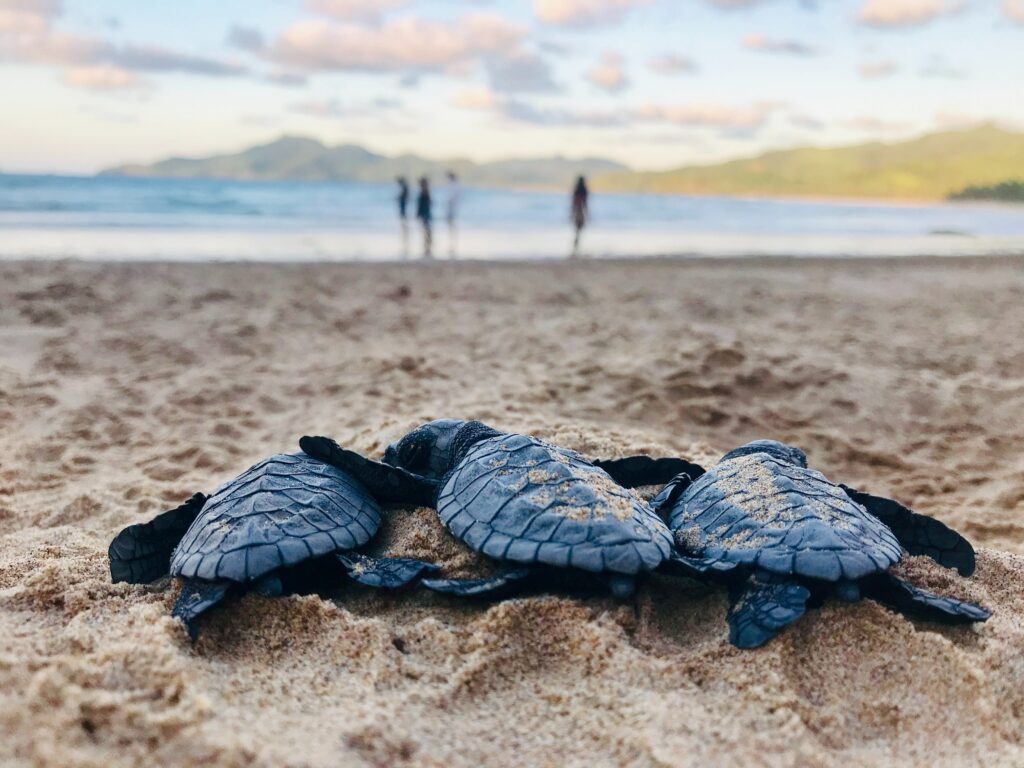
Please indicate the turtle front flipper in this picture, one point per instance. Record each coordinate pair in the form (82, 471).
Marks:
(385, 482)
(384, 572)
(919, 534)
(760, 609)
(141, 553)
(635, 471)
(495, 586)
(198, 596)
(905, 598)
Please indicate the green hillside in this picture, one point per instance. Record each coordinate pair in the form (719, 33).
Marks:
(1004, 192)
(303, 159)
(935, 166)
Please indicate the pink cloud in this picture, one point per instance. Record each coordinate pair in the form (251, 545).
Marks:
(583, 13)
(355, 10)
(608, 74)
(774, 45)
(27, 36)
(708, 115)
(479, 98)
(873, 70)
(672, 64)
(1014, 10)
(402, 44)
(101, 78)
(905, 13)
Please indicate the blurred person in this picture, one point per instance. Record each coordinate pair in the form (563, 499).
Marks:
(453, 193)
(424, 212)
(579, 211)
(403, 217)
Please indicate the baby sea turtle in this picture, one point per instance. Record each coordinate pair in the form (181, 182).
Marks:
(783, 537)
(536, 507)
(264, 530)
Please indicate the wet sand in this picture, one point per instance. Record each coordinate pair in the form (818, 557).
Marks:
(126, 388)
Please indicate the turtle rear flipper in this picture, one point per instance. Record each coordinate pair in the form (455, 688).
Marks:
(495, 586)
(904, 597)
(635, 471)
(384, 572)
(678, 564)
(197, 597)
(919, 534)
(760, 610)
(141, 553)
(385, 482)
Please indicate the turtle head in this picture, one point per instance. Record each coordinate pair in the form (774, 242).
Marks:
(432, 449)
(781, 451)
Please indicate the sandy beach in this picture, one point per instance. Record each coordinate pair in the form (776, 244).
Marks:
(126, 388)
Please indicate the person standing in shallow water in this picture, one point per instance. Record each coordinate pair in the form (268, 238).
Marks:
(403, 218)
(579, 212)
(424, 213)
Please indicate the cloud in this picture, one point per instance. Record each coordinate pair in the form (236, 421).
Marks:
(27, 36)
(28, 15)
(905, 13)
(101, 78)
(948, 120)
(871, 124)
(1014, 10)
(148, 58)
(247, 38)
(478, 98)
(773, 45)
(527, 113)
(333, 108)
(708, 115)
(731, 120)
(287, 79)
(873, 70)
(608, 74)
(807, 122)
(939, 67)
(672, 64)
(355, 10)
(583, 13)
(520, 72)
(401, 45)
(319, 108)
(734, 4)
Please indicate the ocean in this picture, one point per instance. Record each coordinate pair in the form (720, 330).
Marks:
(49, 217)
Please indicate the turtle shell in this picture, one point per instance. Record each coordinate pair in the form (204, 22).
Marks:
(279, 512)
(513, 497)
(758, 511)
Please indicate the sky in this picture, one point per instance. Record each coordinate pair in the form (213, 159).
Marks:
(87, 84)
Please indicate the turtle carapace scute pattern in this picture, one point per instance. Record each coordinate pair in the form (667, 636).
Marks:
(254, 531)
(544, 511)
(784, 536)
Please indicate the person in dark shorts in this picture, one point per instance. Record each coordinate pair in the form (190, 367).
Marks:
(579, 212)
(403, 216)
(403, 196)
(424, 212)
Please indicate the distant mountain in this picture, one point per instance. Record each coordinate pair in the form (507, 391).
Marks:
(931, 167)
(303, 159)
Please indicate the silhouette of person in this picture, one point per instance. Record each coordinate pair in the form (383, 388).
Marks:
(452, 200)
(579, 211)
(403, 204)
(424, 212)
